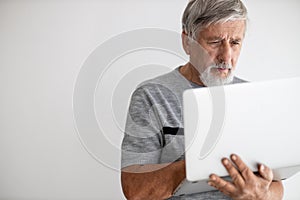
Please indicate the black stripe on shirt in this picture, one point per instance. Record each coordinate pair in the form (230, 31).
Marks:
(172, 131)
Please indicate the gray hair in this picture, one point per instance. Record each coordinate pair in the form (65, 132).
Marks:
(200, 14)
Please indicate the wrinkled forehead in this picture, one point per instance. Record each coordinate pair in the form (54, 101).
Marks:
(233, 29)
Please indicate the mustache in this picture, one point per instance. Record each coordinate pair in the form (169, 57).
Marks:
(222, 66)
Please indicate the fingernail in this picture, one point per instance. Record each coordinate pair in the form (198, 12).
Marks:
(210, 183)
(213, 178)
(262, 167)
(225, 161)
(233, 157)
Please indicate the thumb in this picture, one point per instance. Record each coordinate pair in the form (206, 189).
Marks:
(265, 172)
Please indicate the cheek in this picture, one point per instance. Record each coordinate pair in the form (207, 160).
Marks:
(213, 56)
(200, 58)
(235, 58)
(233, 62)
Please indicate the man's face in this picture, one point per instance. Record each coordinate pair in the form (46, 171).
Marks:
(217, 50)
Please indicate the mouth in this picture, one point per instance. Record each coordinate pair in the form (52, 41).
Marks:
(223, 70)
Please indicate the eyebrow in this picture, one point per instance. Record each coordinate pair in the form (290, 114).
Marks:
(220, 38)
(214, 38)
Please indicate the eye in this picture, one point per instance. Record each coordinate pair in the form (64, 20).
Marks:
(235, 42)
(214, 42)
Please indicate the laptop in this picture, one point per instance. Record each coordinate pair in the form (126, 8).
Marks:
(258, 121)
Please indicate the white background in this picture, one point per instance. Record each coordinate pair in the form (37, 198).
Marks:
(43, 45)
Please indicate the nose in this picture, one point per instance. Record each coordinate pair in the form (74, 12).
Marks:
(225, 53)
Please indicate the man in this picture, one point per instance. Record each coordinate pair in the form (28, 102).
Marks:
(153, 148)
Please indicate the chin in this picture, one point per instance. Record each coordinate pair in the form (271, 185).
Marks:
(216, 80)
(224, 74)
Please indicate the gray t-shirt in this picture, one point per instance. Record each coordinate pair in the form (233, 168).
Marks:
(154, 127)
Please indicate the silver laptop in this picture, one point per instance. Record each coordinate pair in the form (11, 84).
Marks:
(258, 121)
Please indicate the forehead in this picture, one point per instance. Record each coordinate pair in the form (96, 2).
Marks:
(230, 29)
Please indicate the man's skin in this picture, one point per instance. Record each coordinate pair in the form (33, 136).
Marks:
(221, 43)
(139, 182)
(218, 43)
(152, 182)
(245, 184)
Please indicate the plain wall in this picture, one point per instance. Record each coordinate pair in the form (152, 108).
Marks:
(44, 44)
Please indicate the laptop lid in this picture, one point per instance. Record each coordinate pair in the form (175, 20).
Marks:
(258, 121)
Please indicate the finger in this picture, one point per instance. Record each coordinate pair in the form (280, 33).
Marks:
(221, 185)
(246, 172)
(265, 172)
(235, 175)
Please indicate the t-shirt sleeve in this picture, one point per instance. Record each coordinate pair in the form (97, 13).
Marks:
(142, 142)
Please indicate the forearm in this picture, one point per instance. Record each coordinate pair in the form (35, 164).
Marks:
(152, 181)
(276, 189)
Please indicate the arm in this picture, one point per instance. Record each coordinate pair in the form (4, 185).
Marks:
(245, 184)
(156, 181)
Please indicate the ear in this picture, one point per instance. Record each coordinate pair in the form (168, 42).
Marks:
(186, 42)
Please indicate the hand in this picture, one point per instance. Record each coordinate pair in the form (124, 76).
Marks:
(245, 184)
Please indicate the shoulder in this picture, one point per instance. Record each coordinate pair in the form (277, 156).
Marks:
(162, 90)
(165, 84)
(163, 80)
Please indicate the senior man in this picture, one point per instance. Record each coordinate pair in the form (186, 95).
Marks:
(153, 145)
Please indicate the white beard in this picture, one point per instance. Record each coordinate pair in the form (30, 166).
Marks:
(209, 79)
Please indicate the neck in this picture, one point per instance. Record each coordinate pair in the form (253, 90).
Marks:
(191, 74)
